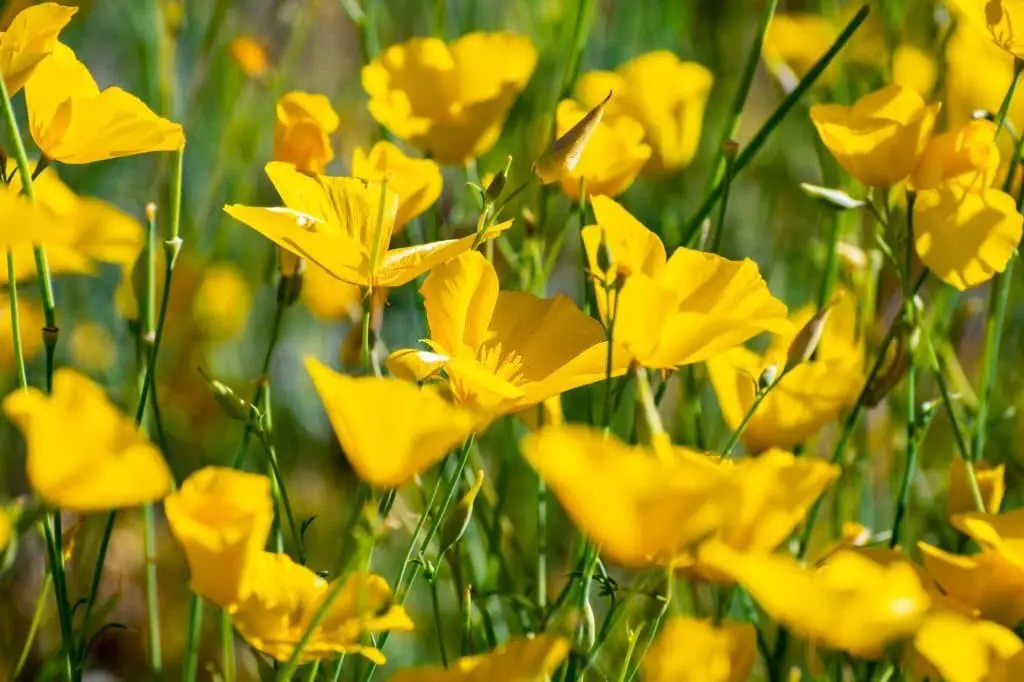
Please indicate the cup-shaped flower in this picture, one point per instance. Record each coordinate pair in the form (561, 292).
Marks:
(967, 157)
(879, 138)
(29, 39)
(73, 122)
(991, 485)
(850, 602)
(680, 311)
(417, 182)
(503, 350)
(286, 596)
(344, 225)
(221, 518)
(389, 429)
(666, 95)
(1000, 19)
(809, 396)
(950, 646)
(449, 101)
(691, 650)
(985, 583)
(521, 659)
(84, 454)
(643, 506)
(966, 236)
(612, 158)
(302, 127)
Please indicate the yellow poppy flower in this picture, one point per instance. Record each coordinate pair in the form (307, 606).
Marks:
(990, 481)
(222, 302)
(810, 396)
(221, 518)
(951, 647)
(613, 157)
(966, 156)
(879, 138)
(250, 56)
(666, 95)
(84, 454)
(449, 101)
(31, 321)
(417, 182)
(1000, 19)
(73, 122)
(691, 650)
(30, 38)
(503, 350)
(302, 129)
(642, 506)
(850, 602)
(966, 236)
(984, 583)
(680, 311)
(285, 596)
(914, 68)
(385, 451)
(520, 659)
(338, 224)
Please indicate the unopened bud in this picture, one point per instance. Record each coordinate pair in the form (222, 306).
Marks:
(151, 211)
(809, 337)
(564, 153)
(768, 377)
(890, 374)
(529, 222)
(605, 258)
(232, 404)
(458, 521)
(497, 184)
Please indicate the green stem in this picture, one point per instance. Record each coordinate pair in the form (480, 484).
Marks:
(435, 601)
(227, 647)
(998, 300)
(730, 158)
(365, 349)
(542, 544)
(649, 635)
(33, 628)
(12, 302)
(1004, 106)
(293, 527)
(152, 591)
(962, 449)
(759, 397)
(190, 664)
(911, 455)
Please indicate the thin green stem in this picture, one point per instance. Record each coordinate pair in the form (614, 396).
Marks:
(998, 301)
(190, 664)
(12, 302)
(293, 527)
(365, 349)
(759, 397)
(152, 591)
(435, 601)
(649, 635)
(910, 463)
(723, 207)
(1004, 106)
(227, 647)
(961, 443)
(33, 628)
(54, 552)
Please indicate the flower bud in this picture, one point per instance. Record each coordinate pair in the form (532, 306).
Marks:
(564, 153)
(233, 405)
(458, 520)
(807, 339)
(768, 377)
(497, 184)
(890, 374)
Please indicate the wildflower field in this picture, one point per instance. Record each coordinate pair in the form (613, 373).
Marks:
(464, 340)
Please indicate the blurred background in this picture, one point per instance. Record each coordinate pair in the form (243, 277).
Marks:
(179, 58)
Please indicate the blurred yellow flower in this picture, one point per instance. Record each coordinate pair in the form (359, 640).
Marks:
(389, 429)
(612, 158)
(73, 122)
(30, 38)
(666, 95)
(952, 647)
(521, 659)
(84, 454)
(504, 350)
(850, 603)
(641, 505)
(966, 156)
(31, 321)
(222, 302)
(91, 346)
(302, 129)
(691, 650)
(285, 597)
(221, 519)
(344, 225)
(417, 182)
(795, 41)
(250, 56)
(914, 68)
(959, 500)
(879, 138)
(680, 311)
(966, 236)
(449, 101)
(810, 396)
(986, 584)
(977, 75)
(999, 18)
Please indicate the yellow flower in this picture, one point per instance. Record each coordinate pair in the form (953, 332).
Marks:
(521, 659)
(73, 122)
(344, 225)
(302, 131)
(327, 298)
(850, 603)
(612, 158)
(642, 506)
(914, 68)
(449, 101)
(285, 596)
(222, 302)
(959, 500)
(680, 311)
(1003, 533)
(417, 182)
(31, 321)
(91, 346)
(690, 650)
(795, 41)
(390, 430)
(6, 529)
(503, 350)
(666, 95)
(879, 138)
(29, 39)
(221, 518)
(811, 395)
(966, 236)
(250, 56)
(999, 18)
(952, 647)
(84, 454)
(967, 157)
(984, 583)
